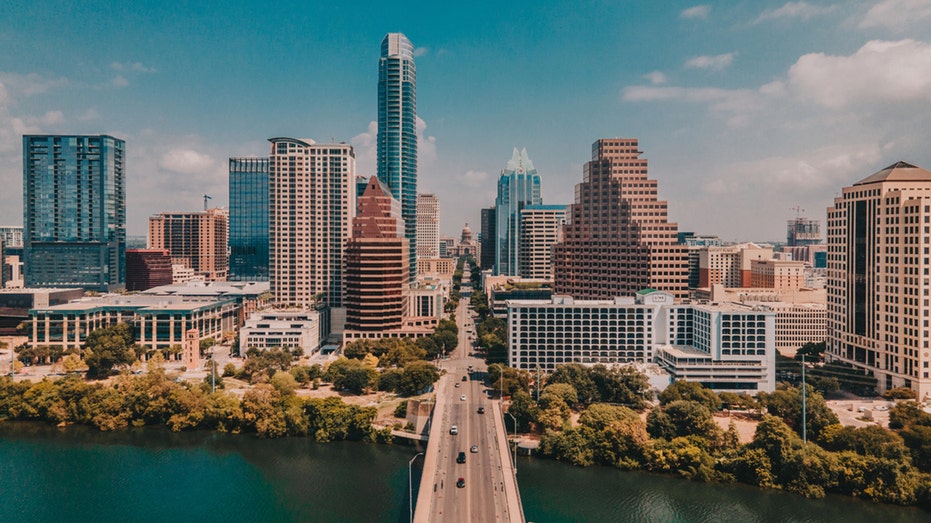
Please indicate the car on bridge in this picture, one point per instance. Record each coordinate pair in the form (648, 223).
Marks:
(461, 483)
(481, 410)
(460, 458)
(454, 430)
(473, 450)
(462, 398)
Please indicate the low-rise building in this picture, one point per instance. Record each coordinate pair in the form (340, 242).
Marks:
(723, 346)
(159, 321)
(283, 329)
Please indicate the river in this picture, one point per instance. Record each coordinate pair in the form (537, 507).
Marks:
(79, 474)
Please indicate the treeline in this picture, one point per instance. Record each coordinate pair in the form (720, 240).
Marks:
(156, 400)
(681, 437)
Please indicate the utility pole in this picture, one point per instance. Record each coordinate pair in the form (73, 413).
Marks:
(213, 371)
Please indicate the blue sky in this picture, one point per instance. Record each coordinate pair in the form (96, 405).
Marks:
(745, 109)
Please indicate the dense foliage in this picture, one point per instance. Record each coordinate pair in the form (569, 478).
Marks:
(154, 399)
(681, 437)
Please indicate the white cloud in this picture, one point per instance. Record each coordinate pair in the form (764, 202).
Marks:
(713, 62)
(880, 71)
(88, 115)
(897, 15)
(426, 146)
(365, 147)
(132, 66)
(15, 85)
(793, 10)
(699, 11)
(656, 77)
(420, 51)
(119, 81)
(474, 179)
(186, 161)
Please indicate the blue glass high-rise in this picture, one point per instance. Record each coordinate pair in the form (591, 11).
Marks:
(74, 212)
(397, 131)
(518, 187)
(248, 219)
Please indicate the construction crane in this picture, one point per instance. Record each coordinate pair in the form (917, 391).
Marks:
(798, 210)
(205, 201)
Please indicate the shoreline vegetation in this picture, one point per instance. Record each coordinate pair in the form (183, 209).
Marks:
(599, 416)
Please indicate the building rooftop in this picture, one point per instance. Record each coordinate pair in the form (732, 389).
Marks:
(898, 172)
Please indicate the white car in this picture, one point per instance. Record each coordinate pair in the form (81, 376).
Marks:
(462, 398)
(454, 430)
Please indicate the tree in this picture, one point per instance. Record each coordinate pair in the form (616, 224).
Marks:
(813, 352)
(683, 418)
(418, 375)
(787, 404)
(108, 347)
(690, 391)
(579, 377)
(284, 383)
(601, 415)
(563, 391)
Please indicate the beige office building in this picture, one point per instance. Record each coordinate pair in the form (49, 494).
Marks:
(312, 199)
(729, 265)
(428, 226)
(777, 274)
(540, 229)
(878, 282)
(194, 240)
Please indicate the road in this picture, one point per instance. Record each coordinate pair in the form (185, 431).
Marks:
(486, 473)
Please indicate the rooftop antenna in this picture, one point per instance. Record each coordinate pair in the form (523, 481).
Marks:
(798, 210)
(205, 201)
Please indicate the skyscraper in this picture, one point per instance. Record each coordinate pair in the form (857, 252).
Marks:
(428, 226)
(803, 231)
(312, 199)
(518, 187)
(618, 239)
(397, 131)
(877, 277)
(376, 263)
(196, 240)
(489, 233)
(248, 219)
(540, 229)
(74, 211)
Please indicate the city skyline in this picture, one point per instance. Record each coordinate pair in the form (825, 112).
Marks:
(791, 100)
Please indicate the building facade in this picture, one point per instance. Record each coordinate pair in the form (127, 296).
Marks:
(376, 263)
(428, 226)
(518, 187)
(248, 237)
(803, 231)
(879, 236)
(11, 236)
(724, 347)
(617, 239)
(540, 229)
(489, 233)
(281, 329)
(397, 131)
(777, 274)
(147, 268)
(196, 240)
(312, 199)
(159, 322)
(74, 211)
(730, 265)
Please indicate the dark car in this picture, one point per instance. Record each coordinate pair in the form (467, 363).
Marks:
(461, 458)
(481, 410)
(460, 483)
(465, 378)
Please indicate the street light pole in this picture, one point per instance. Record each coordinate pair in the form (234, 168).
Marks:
(515, 440)
(804, 406)
(410, 483)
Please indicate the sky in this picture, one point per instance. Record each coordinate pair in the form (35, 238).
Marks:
(749, 112)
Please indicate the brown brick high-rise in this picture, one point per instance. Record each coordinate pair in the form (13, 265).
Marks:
(617, 239)
(376, 263)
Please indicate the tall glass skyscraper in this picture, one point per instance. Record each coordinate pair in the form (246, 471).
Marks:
(248, 219)
(518, 187)
(397, 131)
(74, 211)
